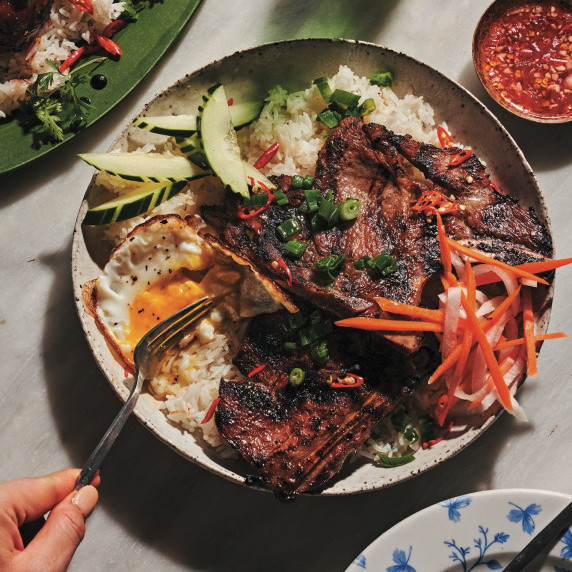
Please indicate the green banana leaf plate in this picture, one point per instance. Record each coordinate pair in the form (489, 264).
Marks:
(142, 42)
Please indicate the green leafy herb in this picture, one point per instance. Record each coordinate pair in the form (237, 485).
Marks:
(55, 111)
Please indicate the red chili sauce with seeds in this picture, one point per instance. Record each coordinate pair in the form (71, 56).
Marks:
(526, 59)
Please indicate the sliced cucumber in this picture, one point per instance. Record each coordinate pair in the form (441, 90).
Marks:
(257, 176)
(192, 147)
(219, 140)
(241, 114)
(136, 202)
(175, 125)
(145, 166)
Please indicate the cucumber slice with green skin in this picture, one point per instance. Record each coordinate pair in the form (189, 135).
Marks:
(241, 114)
(219, 140)
(175, 125)
(145, 166)
(192, 147)
(134, 203)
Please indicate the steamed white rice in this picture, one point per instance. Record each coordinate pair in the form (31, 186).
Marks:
(290, 119)
(57, 39)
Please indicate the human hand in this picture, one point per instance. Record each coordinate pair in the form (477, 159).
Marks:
(26, 500)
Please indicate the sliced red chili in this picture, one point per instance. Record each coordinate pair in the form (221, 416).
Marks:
(230, 101)
(284, 266)
(444, 138)
(112, 28)
(428, 444)
(256, 370)
(267, 156)
(108, 45)
(83, 5)
(345, 383)
(72, 59)
(210, 411)
(431, 202)
(460, 157)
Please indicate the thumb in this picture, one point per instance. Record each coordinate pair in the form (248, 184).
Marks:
(54, 546)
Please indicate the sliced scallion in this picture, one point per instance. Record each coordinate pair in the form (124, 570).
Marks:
(255, 200)
(329, 118)
(328, 212)
(308, 181)
(324, 87)
(400, 420)
(383, 79)
(296, 376)
(280, 198)
(344, 99)
(288, 228)
(384, 264)
(389, 462)
(295, 248)
(312, 198)
(361, 262)
(329, 264)
(411, 435)
(297, 182)
(367, 107)
(320, 353)
(349, 209)
(290, 346)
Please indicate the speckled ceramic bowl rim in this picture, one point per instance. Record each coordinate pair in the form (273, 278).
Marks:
(355, 477)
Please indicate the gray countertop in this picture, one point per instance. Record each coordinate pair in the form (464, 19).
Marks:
(158, 511)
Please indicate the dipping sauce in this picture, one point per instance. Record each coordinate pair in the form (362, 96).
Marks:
(526, 59)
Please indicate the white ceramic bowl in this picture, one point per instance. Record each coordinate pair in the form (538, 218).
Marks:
(294, 64)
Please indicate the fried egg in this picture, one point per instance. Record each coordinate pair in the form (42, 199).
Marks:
(162, 266)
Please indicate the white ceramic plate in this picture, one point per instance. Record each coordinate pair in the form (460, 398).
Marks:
(483, 531)
(294, 64)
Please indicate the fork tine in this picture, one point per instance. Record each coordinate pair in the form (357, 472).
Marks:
(174, 328)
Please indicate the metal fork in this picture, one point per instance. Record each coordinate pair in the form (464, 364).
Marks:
(152, 344)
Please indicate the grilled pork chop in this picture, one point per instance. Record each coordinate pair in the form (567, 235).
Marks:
(496, 223)
(297, 438)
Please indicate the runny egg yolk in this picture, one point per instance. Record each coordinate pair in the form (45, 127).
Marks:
(158, 301)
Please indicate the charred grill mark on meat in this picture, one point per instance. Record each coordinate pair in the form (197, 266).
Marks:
(488, 214)
(298, 438)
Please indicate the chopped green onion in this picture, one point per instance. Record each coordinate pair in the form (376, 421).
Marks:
(328, 212)
(385, 264)
(297, 182)
(289, 228)
(411, 435)
(281, 198)
(320, 353)
(400, 420)
(328, 118)
(349, 209)
(329, 264)
(255, 200)
(360, 263)
(384, 79)
(323, 85)
(344, 99)
(368, 106)
(296, 376)
(312, 197)
(390, 462)
(296, 248)
(290, 346)
(427, 427)
(308, 181)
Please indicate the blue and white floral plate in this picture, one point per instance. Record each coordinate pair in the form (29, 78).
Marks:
(481, 531)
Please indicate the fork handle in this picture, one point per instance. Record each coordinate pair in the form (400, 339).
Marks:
(96, 458)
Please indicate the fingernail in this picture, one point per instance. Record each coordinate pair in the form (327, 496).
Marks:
(85, 499)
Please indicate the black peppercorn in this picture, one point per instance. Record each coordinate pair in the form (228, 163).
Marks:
(98, 81)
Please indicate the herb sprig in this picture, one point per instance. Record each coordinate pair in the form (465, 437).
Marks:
(56, 110)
